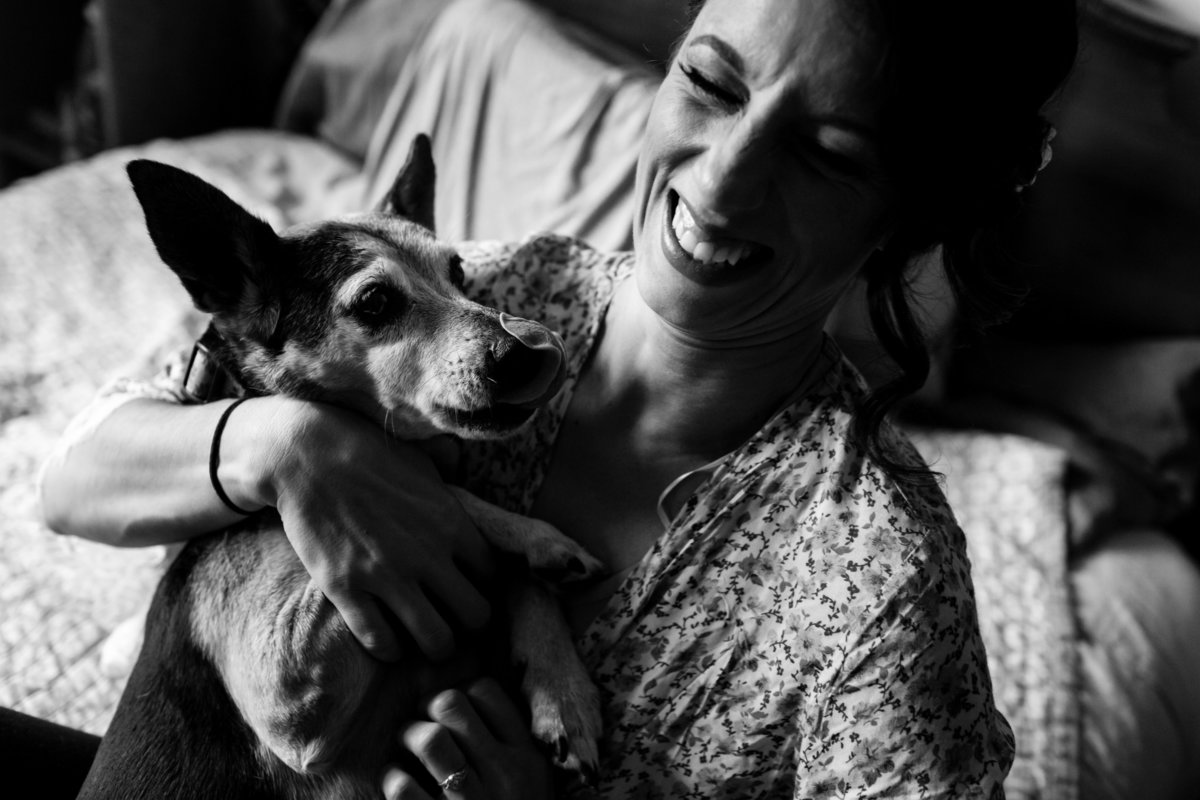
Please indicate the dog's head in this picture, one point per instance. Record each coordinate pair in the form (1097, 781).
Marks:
(366, 311)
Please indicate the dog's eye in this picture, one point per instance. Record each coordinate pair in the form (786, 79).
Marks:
(457, 276)
(375, 304)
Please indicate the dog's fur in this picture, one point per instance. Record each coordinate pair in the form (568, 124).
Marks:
(249, 683)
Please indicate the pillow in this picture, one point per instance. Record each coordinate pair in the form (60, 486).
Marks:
(536, 124)
(343, 74)
(345, 71)
(647, 28)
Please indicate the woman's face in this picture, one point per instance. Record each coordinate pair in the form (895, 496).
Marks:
(759, 181)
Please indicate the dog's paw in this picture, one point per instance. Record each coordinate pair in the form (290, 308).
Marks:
(556, 558)
(565, 708)
(550, 553)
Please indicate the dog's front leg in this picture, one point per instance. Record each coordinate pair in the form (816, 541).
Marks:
(550, 553)
(564, 701)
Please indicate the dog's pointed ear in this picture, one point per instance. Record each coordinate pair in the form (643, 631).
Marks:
(412, 194)
(225, 256)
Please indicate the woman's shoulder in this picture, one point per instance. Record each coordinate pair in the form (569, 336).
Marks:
(854, 517)
(814, 437)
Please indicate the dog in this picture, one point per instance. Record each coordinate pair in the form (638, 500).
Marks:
(249, 684)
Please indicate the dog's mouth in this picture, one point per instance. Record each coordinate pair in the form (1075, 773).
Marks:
(522, 372)
(494, 420)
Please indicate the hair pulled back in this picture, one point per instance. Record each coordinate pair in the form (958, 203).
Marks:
(962, 131)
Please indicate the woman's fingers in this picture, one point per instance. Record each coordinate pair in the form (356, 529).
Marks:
(368, 624)
(427, 627)
(497, 711)
(457, 713)
(437, 748)
(399, 785)
(476, 747)
(462, 600)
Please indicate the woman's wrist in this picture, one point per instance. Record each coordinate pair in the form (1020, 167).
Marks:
(258, 448)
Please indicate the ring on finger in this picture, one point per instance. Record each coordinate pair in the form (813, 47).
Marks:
(454, 781)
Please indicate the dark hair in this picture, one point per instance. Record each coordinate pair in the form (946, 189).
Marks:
(962, 129)
(965, 84)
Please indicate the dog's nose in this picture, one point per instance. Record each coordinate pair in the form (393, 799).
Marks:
(516, 370)
(526, 362)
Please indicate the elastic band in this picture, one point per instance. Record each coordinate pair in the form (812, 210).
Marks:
(214, 458)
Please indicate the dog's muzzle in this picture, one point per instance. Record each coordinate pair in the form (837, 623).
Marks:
(530, 367)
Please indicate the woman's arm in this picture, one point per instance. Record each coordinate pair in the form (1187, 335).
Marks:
(912, 713)
(140, 477)
(368, 516)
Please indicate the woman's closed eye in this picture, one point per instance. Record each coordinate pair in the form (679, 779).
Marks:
(838, 155)
(711, 89)
(834, 160)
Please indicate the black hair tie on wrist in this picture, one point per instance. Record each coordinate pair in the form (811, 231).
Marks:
(214, 458)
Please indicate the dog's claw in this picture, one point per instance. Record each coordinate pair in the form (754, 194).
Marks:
(568, 568)
(566, 717)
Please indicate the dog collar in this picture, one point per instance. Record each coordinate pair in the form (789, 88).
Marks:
(205, 379)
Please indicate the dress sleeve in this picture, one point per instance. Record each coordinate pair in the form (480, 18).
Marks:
(912, 713)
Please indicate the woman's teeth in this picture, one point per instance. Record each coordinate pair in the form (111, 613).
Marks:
(729, 251)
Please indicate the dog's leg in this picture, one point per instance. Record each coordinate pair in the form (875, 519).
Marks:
(288, 660)
(550, 553)
(564, 702)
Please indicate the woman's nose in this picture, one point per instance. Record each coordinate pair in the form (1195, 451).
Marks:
(735, 171)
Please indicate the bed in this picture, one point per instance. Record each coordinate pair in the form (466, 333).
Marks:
(535, 110)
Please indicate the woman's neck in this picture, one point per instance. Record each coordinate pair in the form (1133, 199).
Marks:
(683, 394)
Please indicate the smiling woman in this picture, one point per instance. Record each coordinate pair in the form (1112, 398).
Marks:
(761, 150)
(790, 611)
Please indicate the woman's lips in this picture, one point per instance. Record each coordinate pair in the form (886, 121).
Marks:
(701, 256)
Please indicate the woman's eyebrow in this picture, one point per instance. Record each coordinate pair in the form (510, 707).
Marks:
(723, 49)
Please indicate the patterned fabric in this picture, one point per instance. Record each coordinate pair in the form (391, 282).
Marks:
(804, 627)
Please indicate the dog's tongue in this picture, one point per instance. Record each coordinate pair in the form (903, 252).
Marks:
(551, 371)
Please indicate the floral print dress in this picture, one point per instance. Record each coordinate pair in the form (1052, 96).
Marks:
(804, 627)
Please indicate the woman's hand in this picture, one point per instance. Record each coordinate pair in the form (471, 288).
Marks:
(476, 746)
(374, 524)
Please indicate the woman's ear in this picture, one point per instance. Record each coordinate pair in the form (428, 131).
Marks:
(412, 193)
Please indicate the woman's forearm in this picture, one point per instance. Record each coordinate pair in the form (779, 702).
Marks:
(141, 476)
(368, 516)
